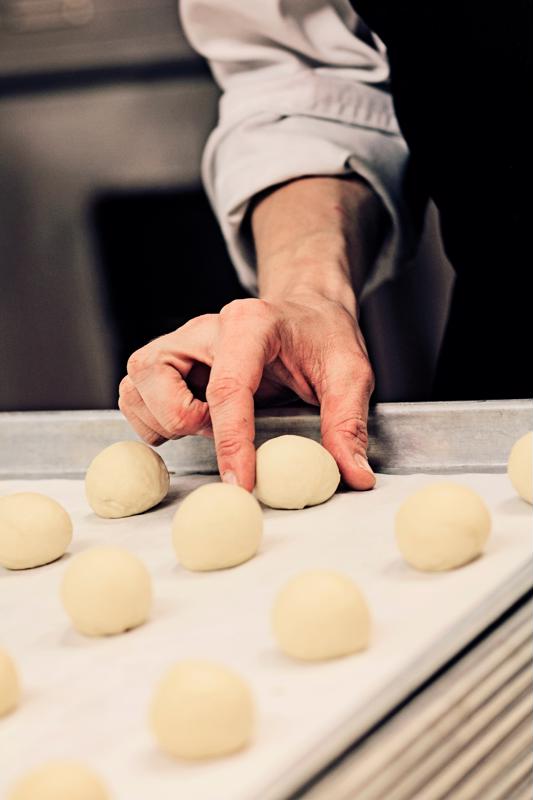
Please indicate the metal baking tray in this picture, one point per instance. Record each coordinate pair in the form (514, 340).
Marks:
(461, 728)
(404, 438)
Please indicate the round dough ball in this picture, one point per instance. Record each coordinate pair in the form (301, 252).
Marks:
(34, 530)
(520, 467)
(442, 526)
(126, 478)
(319, 615)
(293, 472)
(59, 780)
(201, 710)
(106, 590)
(9, 684)
(217, 526)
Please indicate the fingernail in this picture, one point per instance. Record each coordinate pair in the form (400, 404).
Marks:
(229, 477)
(363, 463)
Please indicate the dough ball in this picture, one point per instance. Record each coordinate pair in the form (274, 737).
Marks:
(442, 527)
(217, 526)
(201, 710)
(293, 472)
(34, 530)
(319, 615)
(126, 478)
(106, 590)
(9, 684)
(59, 780)
(520, 467)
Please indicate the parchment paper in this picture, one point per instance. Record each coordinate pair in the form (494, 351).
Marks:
(87, 698)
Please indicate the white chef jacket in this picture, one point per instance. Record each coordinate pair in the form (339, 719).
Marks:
(304, 93)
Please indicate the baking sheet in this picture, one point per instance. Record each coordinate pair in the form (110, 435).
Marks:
(88, 698)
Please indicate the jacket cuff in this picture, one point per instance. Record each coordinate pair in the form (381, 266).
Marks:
(265, 148)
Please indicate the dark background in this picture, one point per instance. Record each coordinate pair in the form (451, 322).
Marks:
(107, 239)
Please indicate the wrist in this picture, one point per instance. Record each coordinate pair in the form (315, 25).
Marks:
(316, 237)
(296, 276)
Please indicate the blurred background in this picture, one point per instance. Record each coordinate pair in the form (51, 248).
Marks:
(106, 237)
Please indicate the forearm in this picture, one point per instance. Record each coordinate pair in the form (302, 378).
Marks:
(317, 235)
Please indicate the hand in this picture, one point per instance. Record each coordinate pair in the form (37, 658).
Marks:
(308, 344)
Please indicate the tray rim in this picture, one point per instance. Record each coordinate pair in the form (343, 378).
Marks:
(403, 437)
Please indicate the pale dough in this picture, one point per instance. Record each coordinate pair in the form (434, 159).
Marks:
(9, 684)
(442, 527)
(520, 467)
(293, 472)
(217, 526)
(202, 710)
(126, 478)
(34, 530)
(59, 780)
(319, 615)
(106, 590)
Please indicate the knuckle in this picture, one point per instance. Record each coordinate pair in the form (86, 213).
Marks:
(137, 363)
(197, 322)
(228, 447)
(251, 307)
(359, 371)
(147, 435)
(122, 404)
(154, 439)
(359, 431)
(362, 365)
(182, 419)
(222, 389)
(354, 427)
(366, 374)
(151, 437)
(175, 422)
(126, 389)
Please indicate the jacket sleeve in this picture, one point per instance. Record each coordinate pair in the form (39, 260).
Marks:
(304, 93)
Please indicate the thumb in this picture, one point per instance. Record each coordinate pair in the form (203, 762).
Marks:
(344, 396)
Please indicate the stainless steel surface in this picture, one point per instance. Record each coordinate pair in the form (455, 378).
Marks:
(404, 437)
(467, 736)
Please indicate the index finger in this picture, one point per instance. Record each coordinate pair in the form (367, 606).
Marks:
(243, 348)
